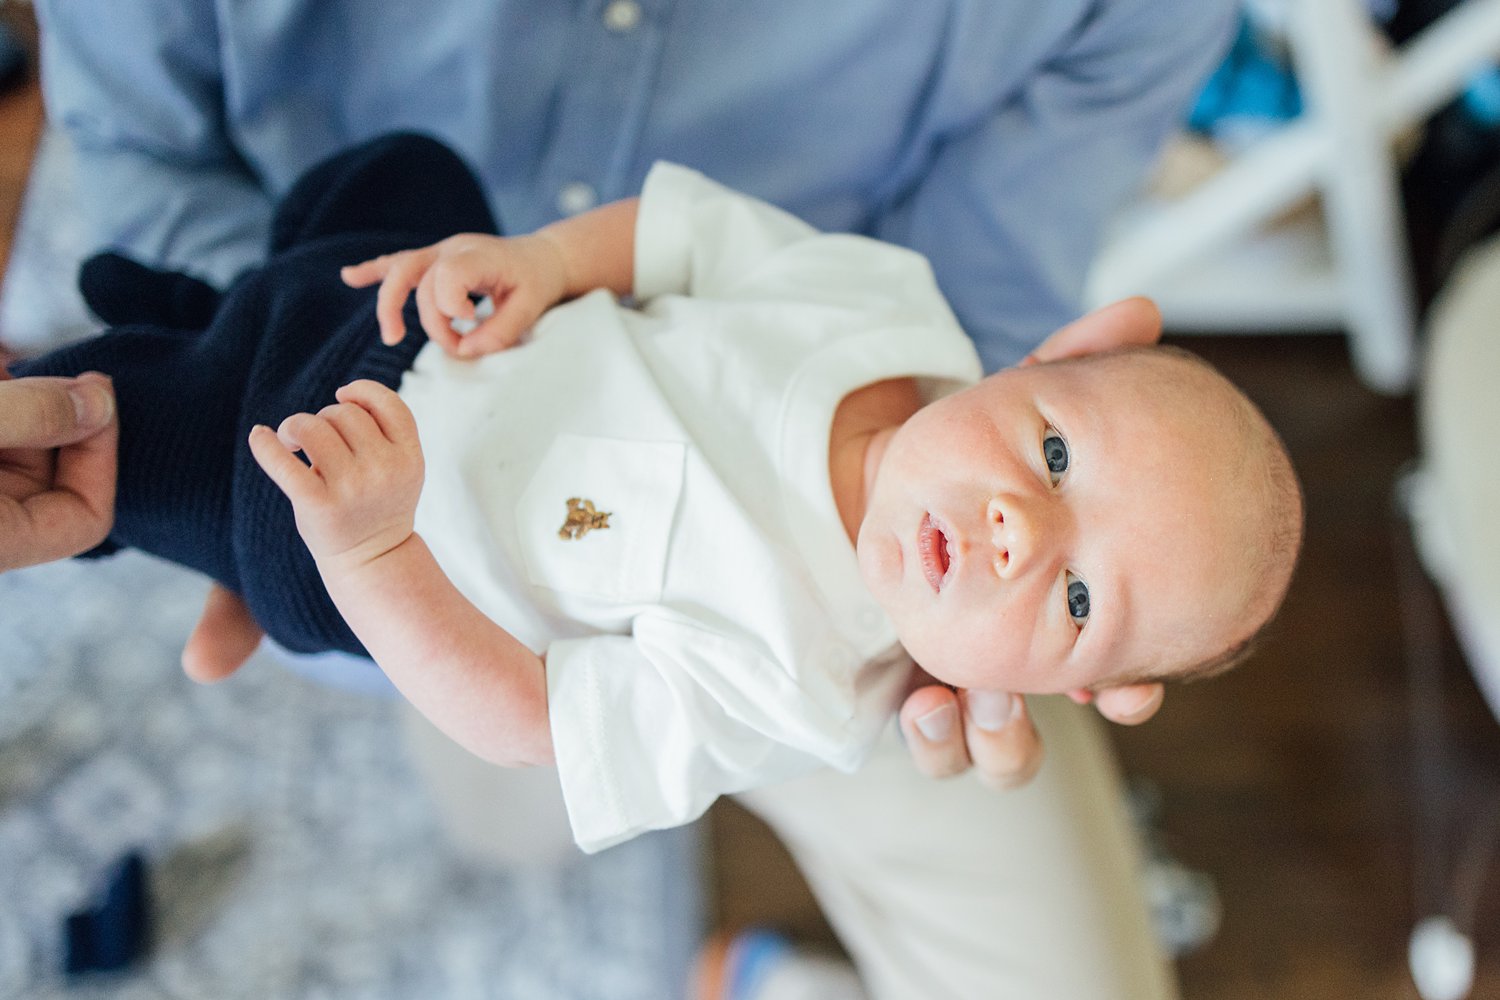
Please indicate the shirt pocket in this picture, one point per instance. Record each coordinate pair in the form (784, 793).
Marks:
(596, 517)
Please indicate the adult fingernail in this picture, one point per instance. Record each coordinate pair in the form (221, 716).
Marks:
(937, 725)
(991, 710)
(92, 403)
(1145, 702)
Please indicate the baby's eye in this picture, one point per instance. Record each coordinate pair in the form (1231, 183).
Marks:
(1055, 451)
(1078, 600)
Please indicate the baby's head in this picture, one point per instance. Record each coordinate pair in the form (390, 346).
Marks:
(1110, 519)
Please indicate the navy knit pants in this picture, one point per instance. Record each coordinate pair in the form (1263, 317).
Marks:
(193, 371)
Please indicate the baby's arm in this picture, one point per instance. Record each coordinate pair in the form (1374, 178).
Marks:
(355, 506)
(524, 276)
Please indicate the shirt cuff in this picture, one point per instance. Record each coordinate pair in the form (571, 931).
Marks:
(663, 231)
(576, 708)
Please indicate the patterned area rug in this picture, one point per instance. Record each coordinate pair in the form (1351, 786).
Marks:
(293, 852)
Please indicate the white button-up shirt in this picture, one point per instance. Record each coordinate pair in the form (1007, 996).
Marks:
(712, 632)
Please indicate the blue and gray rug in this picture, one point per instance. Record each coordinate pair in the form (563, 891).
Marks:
(293, 851)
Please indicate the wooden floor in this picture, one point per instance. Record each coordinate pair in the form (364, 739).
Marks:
(1290, 779)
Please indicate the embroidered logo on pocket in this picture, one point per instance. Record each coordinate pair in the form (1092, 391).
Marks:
(582, 518)
(613, 546)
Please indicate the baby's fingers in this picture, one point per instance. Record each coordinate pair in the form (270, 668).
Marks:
(279, 462)
(366, 272)
(320, 441)
(403, 273)
(462, 273)
(514, 316)
(432, 319)
(390, 414)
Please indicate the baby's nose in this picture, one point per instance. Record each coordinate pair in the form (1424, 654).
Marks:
(1018, 532)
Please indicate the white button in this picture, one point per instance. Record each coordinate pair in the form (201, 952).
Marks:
(622, 15)
(869, 619)
(576, 197)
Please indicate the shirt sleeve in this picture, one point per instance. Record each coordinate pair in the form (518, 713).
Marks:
(137, 88)
(1012, 208)
(649, 729)
(695, 237)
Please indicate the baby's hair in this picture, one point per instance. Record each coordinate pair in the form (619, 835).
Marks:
(1281, 500)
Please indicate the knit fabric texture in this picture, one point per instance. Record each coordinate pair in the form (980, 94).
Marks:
(194, 370)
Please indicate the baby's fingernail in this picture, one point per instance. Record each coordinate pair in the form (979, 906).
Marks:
(93, 404)
(937, 725)
(991, 710)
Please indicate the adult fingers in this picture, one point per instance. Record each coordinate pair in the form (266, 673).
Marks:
(931, 720)
(87, 469)
(1002, 740)
(47, 526)
(76, 512)
(71, 517)
(44, 412)
(1130, 705)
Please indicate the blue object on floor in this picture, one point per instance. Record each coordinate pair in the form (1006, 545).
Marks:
(755, 951)
(114, 931)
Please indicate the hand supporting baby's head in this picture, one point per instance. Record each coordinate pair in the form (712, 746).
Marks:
(1115, 518)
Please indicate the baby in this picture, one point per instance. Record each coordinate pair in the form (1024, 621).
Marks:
(676, 544)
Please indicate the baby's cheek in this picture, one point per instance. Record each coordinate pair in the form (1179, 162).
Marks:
(880, 562)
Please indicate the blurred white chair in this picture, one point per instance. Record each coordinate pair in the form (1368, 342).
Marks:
(1211, 261)
(1453, 500)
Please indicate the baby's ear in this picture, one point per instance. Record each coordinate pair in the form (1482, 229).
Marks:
(1127, 323)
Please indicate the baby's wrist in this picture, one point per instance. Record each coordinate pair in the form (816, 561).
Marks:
(368, 557)
(554, 249)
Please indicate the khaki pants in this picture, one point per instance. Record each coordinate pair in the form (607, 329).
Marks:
(941, 890)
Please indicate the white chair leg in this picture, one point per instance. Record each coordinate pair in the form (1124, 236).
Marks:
(1336, 59)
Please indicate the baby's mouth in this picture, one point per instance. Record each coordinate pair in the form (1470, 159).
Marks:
(932, 548)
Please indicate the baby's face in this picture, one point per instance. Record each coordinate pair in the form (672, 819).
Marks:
(1065, 526)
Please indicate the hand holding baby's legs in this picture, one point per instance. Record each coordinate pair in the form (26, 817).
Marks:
(357, 499)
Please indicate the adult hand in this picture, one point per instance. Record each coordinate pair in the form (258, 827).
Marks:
(950, 731)
(58, 440)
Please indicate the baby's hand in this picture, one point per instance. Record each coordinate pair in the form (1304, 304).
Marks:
(357, 500)
(523, 276)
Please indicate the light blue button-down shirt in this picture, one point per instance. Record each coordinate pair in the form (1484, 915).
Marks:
(994, 136)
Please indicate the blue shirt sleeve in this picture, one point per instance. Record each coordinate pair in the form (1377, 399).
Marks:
(1012, 206)
(138, 88)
